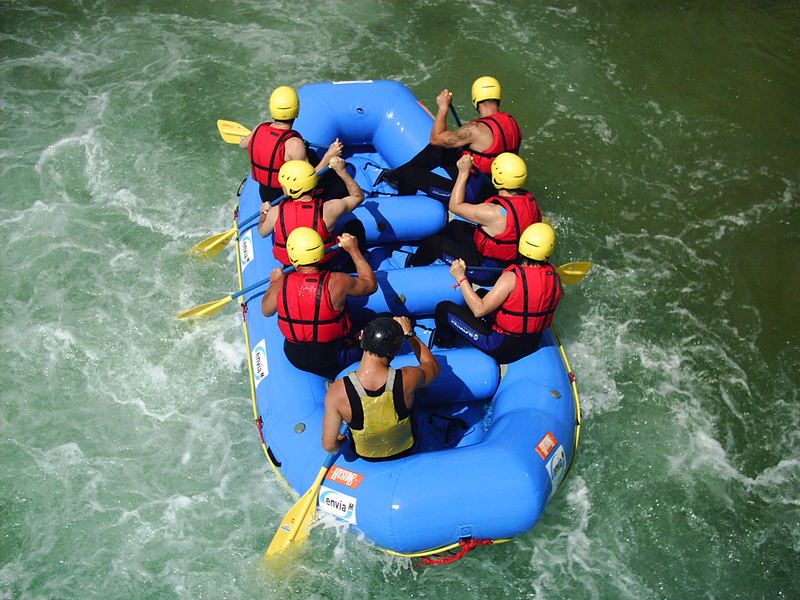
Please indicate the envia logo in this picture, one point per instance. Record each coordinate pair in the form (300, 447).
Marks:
(246, 248)
(338, 504)
(259, 360)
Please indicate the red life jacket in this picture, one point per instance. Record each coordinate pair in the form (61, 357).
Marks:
(267, 153)
(305, 312)
(292, 214)
(530, 307)
(521, 211)
(507, 138)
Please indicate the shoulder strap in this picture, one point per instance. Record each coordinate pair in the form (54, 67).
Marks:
(356, 383)
(289, 133)
(354, 399)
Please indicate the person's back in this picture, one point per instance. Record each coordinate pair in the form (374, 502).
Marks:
(484, 138)
(505, 133)
(376, 400)
(311, 304)
(487, 231)
(272, 144)
(511, 210)
(301, 209)
(306, 313)
(506, 322)
(380, 418)
(529, 307)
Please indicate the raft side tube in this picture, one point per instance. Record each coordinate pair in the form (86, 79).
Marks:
(386, 220)
(407, 292)
(467, 375)
(477, 480)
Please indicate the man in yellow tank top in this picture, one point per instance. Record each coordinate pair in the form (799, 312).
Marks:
(376, 400)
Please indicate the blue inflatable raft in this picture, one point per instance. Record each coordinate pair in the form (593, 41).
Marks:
(494, 442)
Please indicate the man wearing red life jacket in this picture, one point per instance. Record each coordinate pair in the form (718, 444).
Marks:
(485, 138)
(310, 303)
(376, 400)
(521, 303)
(271, 144)
(497, 223)
(298, 180)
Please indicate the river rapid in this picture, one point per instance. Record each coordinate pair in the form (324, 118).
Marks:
(662, 140)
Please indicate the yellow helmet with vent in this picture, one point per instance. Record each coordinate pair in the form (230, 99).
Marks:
(485, 88)
(537, 242)
(284, 104)
(297, 177)
(509, 171)
(304, 246)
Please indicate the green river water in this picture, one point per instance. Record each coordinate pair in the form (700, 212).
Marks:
(663, 140)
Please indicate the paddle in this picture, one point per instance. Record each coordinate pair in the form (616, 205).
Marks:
(212, 245)
(455, 115)
(297, 522)
(212, 308)
(231, 131)
(570, 273)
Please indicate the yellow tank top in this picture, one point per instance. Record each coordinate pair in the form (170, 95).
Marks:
(383, 433)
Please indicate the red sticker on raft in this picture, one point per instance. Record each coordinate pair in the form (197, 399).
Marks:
(546, 445)
(345, 477)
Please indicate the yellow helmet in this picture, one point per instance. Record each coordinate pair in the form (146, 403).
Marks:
(537, 242)
(284, 104)
(297, 177)
(304, 246)
(509, 171)
(485, 88)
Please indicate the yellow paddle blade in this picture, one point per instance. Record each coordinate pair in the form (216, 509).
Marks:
(573, 272)
(213, 244)
(204, 310)
(295, 525)
(231, 131)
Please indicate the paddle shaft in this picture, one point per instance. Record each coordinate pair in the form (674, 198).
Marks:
(295, 525)
(480, 268)
(455, 115)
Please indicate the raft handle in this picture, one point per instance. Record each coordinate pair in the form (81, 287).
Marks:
(467, 546)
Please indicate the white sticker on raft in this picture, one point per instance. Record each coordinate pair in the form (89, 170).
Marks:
(246, 248)
(338, 504)
(356, 81)
(556, 467)
(260, 366)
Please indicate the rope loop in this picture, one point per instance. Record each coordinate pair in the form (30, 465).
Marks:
(467, 546)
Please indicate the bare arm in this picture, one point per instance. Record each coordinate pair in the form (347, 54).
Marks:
(245, 140)
(335, 149)
(428, 368)
(295, 149)
(332, 420)
(492, 300)
(269, 302)
(333, 209)
(266, 220)
(463, 136)
(342, 285)
(482, 214)
(425, 373)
